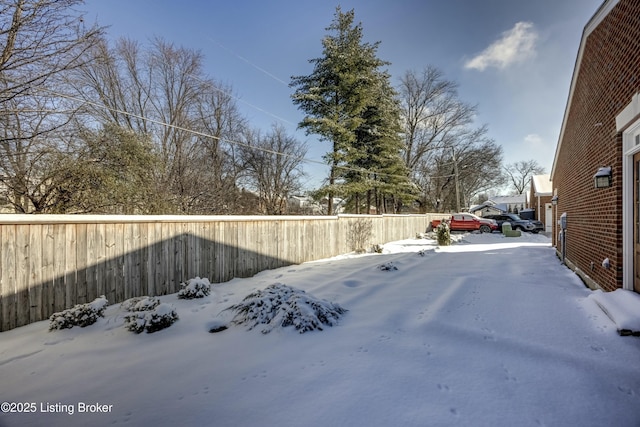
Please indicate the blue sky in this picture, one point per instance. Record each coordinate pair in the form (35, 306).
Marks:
(513, 58)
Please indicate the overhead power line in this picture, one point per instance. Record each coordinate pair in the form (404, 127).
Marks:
(206, 135)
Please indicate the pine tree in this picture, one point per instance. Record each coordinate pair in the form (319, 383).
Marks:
(336, 96)
(378, 150)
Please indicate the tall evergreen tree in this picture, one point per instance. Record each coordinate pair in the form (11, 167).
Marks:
(337, 95)
(378, 150)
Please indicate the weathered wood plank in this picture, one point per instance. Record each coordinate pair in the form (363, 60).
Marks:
(82, 264)
(8, 279)
(130, 259)
(47, 269)
(101, 258)
(110, 263)
(34, 255)
(177, 258)
(59, 267)
(71, 265)
(164, 258)
(22, 275)
(146, 239)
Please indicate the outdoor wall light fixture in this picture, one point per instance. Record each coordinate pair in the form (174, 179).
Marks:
(554, 200)
(603, 177)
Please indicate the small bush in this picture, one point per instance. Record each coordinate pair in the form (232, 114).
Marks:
(279, 305)
(80, 315)
(387, 267)
(195, 288)
(359, 234)
(377, 248)
(444, 234)
(161, 317)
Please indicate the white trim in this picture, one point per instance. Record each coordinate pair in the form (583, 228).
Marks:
(629, 149)
(593, 23)
(630, 112)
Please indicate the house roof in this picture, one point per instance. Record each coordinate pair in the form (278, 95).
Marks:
(486, 205)
(593, 23)
(509, 200)
(542, 185)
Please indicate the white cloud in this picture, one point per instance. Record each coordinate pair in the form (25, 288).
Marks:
(512, 47)
(534, 140)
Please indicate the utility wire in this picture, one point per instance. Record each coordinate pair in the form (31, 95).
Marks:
(205, 135)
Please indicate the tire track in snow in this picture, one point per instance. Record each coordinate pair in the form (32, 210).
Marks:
(21, 356)
(438, 305)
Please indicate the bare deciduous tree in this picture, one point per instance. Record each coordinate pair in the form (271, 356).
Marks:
(163, 92)
(450, 160)
(41, 41)
(273, 167)
(432, 113)
(453, 177)
(519, 173)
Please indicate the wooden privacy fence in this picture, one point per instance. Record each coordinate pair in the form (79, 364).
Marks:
(52, 262)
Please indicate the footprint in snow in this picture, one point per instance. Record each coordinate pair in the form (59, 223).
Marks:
(626, 390)
(443, 387)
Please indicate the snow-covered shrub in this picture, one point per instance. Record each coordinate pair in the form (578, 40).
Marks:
(148, 313)
(444, 234)
(162, 316)
(140, 304)
(80, 315)
(279, 305)
(195, 288)
(377, 248)
(216, 326)
(387, 267)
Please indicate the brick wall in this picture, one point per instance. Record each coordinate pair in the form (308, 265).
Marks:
(608, 77)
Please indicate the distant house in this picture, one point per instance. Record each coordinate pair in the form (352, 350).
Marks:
(486, 208)
(540, 200)
(302, 204)
(511, 204)
(596, 169)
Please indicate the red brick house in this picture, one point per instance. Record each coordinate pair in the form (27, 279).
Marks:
(596, 169)
(540, 195)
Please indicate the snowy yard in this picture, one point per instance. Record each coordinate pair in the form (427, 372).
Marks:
(491, 331)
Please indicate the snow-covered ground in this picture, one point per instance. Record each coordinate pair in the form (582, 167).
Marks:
(491, 331)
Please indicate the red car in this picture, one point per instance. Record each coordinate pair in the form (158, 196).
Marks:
(468, 222)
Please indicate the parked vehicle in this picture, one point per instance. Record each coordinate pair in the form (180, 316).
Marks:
(517, 223)
(538, 224)
(468, 222)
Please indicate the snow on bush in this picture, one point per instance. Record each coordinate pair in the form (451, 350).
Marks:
(444, 234)
(387, 267)
(279, 305)
(80, 315)
(140, 304)
(195, 288)
(148, 313)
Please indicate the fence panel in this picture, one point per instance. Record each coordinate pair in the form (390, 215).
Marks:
(52, 262)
